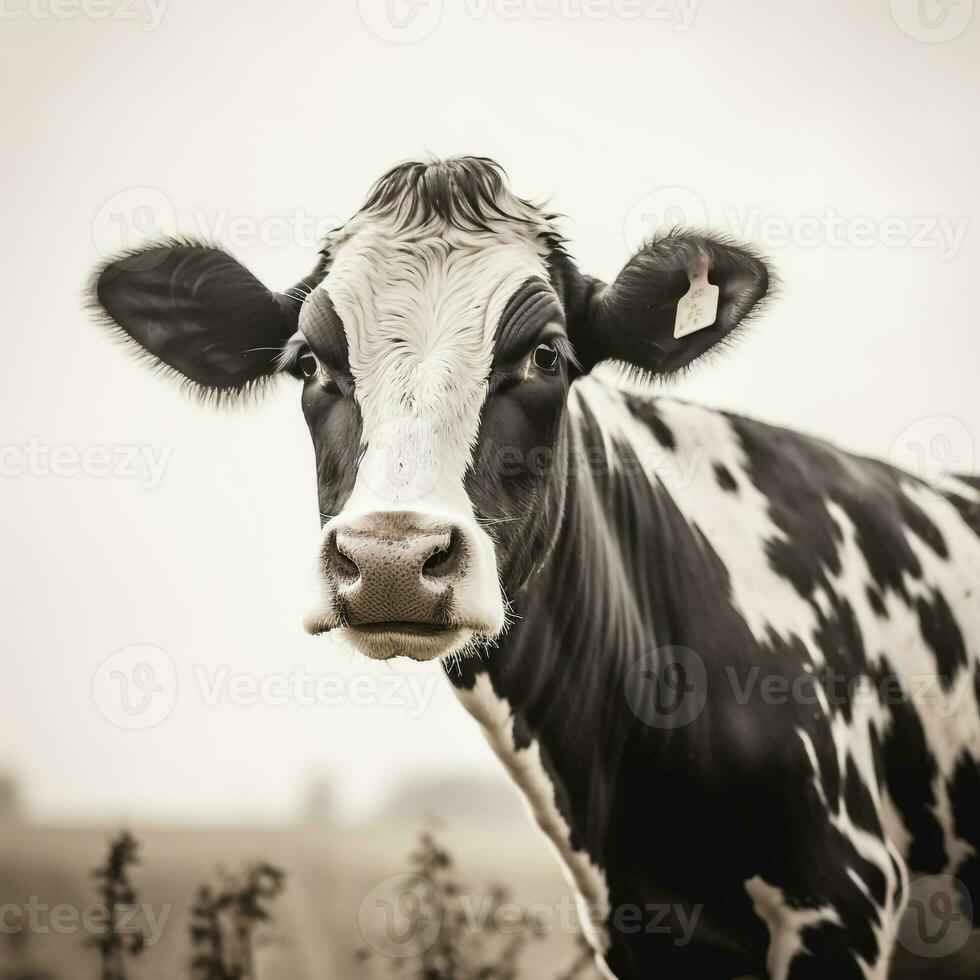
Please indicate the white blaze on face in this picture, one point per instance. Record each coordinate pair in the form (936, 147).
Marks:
(420, 316)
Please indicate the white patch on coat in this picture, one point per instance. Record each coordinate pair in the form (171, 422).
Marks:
(737, 526)
(786, 924)
(811, 754)
(525, 768)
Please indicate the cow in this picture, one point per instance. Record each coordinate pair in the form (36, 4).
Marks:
(732, 668)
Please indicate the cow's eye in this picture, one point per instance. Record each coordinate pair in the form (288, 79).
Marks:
(309, 365)
(546, 358)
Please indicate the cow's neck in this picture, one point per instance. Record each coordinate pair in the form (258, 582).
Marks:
(551, 696)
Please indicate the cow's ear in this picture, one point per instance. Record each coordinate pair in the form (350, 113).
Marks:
(194, 309)
(640, 319)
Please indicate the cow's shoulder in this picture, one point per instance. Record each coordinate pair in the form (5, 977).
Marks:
(858, 573)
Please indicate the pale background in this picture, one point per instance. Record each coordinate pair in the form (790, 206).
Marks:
(242, 109)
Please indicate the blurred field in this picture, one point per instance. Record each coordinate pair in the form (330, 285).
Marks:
(315, 933)
(330, 869)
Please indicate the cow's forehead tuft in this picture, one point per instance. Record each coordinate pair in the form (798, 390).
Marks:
(456, 195)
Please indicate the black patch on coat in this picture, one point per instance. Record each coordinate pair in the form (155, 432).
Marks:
(943, 636)
(724, 477)
(646, 410)
(861, 809)
(876, 602)
(969, 510)
(909, 771)
(838, 636)
(799, 476)
(964, 798)
(828, 954)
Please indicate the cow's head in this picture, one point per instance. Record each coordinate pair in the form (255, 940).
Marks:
(435, 343)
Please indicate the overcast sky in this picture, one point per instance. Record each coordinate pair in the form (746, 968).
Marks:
(841, 139)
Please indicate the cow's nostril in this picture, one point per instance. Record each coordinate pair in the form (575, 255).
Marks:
(342, 564)
(444, 560)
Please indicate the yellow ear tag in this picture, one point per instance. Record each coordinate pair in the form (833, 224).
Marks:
(698, 307)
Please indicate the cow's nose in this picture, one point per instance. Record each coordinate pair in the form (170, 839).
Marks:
(392, 567)
(431, 555)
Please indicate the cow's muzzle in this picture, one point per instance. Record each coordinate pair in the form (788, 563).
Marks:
(398, 584)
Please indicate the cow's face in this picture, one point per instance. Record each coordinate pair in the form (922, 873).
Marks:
(405, 348)
(435, 343)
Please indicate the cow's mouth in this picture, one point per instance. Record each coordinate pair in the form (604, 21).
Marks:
(385, 639)
(401, 626)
